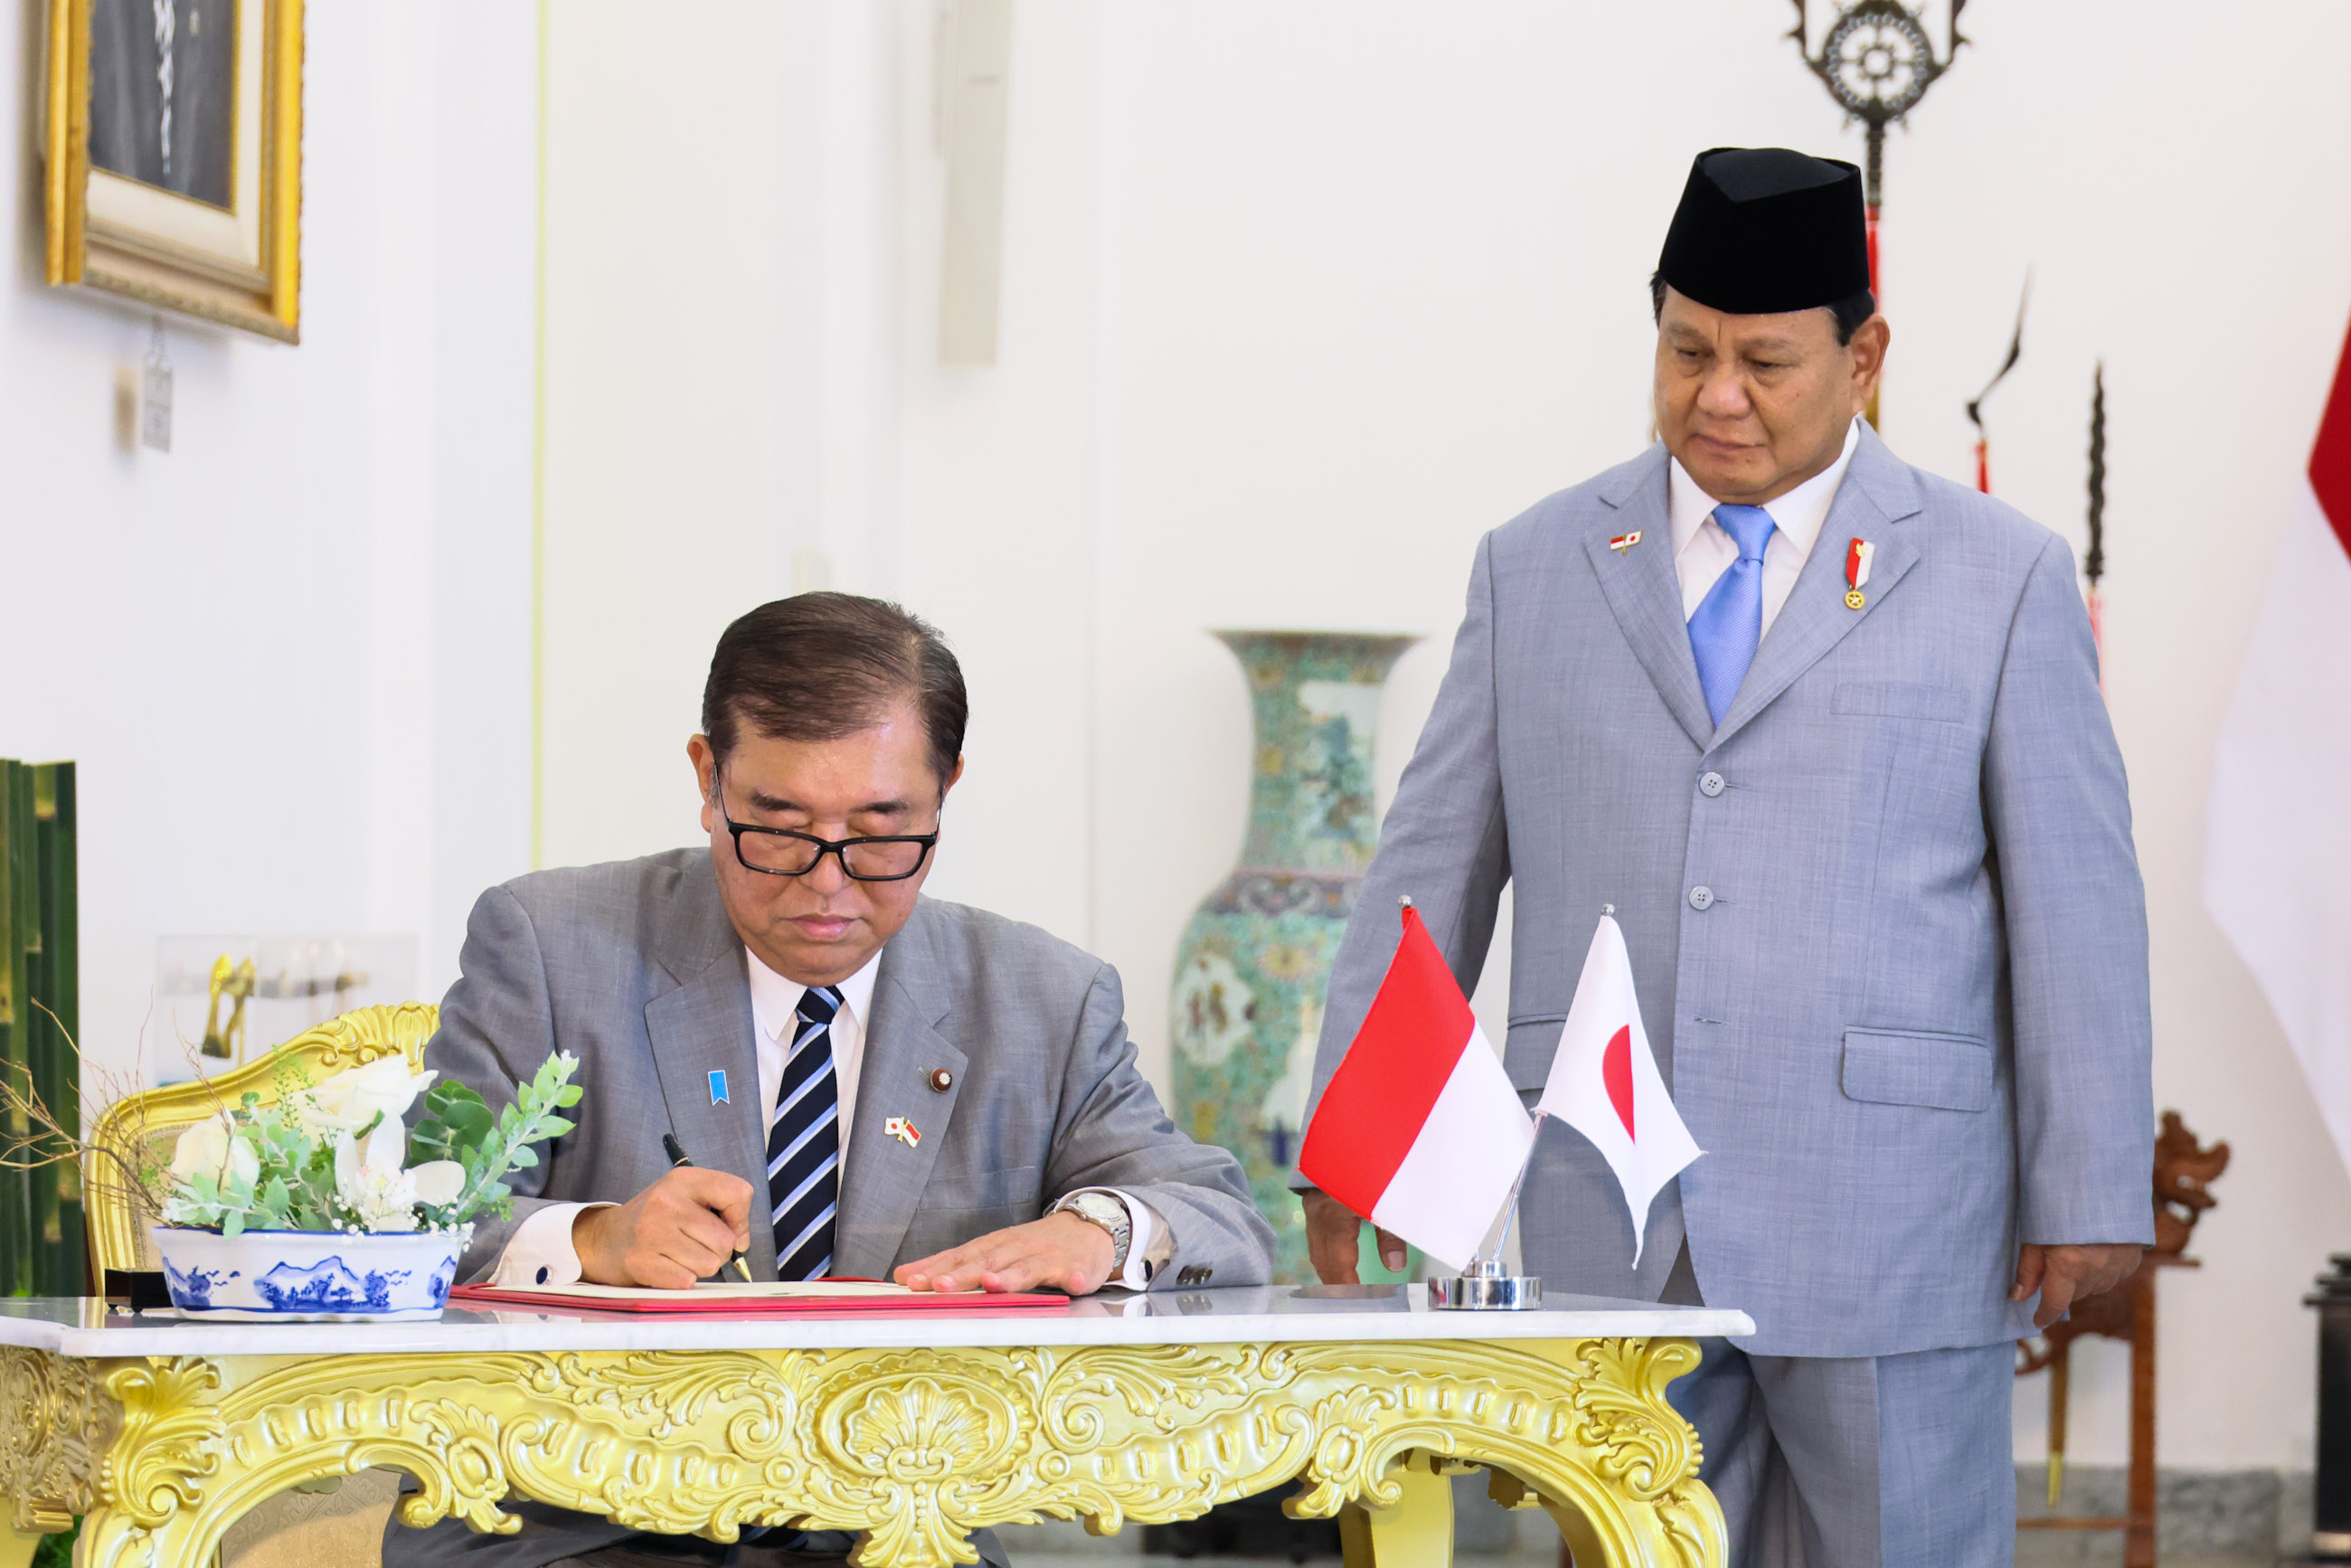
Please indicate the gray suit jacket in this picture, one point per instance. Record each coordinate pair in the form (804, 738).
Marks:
(1910, 1025)
(633, 968)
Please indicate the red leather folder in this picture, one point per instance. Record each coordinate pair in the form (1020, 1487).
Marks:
(721, 1301)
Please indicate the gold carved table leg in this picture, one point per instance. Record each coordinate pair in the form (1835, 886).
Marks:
(916, 1449)
(1416, 1533)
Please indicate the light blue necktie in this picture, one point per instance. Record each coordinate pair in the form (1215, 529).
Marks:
(1728, 622)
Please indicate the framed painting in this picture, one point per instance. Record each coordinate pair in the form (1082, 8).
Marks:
(172, 138)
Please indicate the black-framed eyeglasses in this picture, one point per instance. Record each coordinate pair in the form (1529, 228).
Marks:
(780, 851)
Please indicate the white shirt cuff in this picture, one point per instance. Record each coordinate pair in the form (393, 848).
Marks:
(1140, 1219)
(540, 1252)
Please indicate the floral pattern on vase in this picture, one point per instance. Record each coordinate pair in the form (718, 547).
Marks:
(1246, 1002)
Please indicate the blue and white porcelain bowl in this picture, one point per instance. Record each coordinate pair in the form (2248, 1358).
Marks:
(309, 1276)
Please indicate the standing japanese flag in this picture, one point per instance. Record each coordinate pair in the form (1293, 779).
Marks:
(1420, 1130)
(1605, 1084)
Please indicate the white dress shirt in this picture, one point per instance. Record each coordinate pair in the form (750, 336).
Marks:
(1703, 551)
(541, 1251)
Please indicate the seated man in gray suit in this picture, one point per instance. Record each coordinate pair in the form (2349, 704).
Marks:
(869, 1084)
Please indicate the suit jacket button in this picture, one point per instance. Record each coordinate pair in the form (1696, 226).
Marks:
(1701, 897)
(1710, 785)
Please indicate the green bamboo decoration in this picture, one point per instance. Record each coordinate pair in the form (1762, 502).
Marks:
(41, 1251)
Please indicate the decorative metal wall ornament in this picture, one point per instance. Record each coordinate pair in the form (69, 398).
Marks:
(1975, 403)
(1877, 62)
(2094, 559)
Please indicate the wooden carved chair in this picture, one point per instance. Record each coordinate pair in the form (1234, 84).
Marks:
(342, 1525)
(2184, 1171)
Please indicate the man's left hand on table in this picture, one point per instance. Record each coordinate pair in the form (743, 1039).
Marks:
(1060, 1252)
(2064, 1275)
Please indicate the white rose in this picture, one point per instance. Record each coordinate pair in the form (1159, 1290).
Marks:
(349, 1100)
(202, 1147)
(438, 1181)
(243, 1164)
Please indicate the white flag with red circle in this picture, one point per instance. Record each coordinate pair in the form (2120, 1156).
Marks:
(1605, 1084)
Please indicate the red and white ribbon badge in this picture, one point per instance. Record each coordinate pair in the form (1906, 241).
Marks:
(1858, 556)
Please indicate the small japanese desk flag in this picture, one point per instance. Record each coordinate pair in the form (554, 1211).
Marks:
(1420, 1130)
(1605, 1084)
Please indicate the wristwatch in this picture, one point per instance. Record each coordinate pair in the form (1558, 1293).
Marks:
(1103, 1209)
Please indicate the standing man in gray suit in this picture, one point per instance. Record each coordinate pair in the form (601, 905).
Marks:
(869, 1082)
(1827, 730)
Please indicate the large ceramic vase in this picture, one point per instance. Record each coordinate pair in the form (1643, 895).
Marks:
(1249, 975)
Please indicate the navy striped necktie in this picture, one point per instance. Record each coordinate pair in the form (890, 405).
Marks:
(804, 1144)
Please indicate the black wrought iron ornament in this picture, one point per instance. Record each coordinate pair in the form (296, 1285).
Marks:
(1877, 62)
(2094, 559)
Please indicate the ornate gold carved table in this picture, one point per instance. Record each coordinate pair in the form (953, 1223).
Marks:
(915, 1430)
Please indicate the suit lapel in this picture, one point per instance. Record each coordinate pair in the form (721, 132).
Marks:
(1644, 593)
(1877, 494)
(883, 1177)
(704, 1025)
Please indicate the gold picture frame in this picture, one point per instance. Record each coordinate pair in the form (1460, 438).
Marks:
(216, 234)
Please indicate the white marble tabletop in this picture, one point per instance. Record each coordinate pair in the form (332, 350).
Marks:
(1244, 1314)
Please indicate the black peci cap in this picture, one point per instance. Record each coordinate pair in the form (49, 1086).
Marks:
(1761, 230)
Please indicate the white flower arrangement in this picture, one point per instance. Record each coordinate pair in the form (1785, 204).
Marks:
(337, 1156)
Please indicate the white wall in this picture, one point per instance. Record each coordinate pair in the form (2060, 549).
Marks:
(291, 658)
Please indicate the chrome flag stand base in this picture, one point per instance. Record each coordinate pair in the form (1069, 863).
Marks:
(1485, 1287)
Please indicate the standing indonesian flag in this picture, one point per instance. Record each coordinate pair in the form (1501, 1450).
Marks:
(1605, 1084)
(1420, 1130)
(2277, 847)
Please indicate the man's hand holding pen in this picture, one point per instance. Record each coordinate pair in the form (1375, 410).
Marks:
(684, 1228)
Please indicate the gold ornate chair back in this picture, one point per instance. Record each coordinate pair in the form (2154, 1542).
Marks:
(117, 1237)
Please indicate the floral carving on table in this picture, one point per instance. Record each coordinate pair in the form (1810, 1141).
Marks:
(914, 1448)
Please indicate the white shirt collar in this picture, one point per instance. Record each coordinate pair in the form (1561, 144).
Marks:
(1799, 514)
(775, 1001)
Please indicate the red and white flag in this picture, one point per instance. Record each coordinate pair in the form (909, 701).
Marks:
(1420, 1130)
(1605, 1084)
(2277, 846)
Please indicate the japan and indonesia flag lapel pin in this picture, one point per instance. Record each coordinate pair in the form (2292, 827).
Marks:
(1419, 1130)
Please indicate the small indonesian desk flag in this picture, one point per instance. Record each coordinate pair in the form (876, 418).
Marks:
(1420, 1130)
(1605, 1084)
